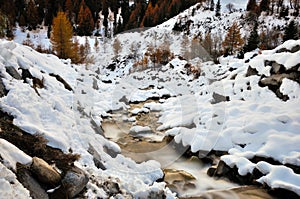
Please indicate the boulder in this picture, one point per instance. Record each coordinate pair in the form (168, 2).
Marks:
(295, 49)
(13, 72)
(35, 189)
(251, 71)
(277, 68)
(44, 172)
(74, 181)
(217, 98)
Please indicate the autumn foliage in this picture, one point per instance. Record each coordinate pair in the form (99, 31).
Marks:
(233, 40)
(61, 36)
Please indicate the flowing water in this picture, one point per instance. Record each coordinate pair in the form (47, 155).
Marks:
(186, 176)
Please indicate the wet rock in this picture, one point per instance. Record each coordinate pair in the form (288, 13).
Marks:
(74, 181)
(172, 175)
(3, 90)
(212, 170)
(44, 172)
(25, 177)
(13, 72)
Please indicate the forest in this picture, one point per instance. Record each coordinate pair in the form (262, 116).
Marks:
(84, 15)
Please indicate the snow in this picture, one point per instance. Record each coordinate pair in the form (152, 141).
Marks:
(139, 129)
(279, 177)
(9, 185)
(139, 110)
(64, 117)
(11, 155)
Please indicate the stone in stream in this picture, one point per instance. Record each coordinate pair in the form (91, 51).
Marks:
(179, 180)
(74, 181)
(44, 172)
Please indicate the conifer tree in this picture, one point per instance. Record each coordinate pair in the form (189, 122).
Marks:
(85, 20)
(233, 40)
(218, 9)
(251, 6)
(291, 32)
(253, 40)
(212, 5)
(2, 25)
(32, 15)
(61, 36)
(264, 5)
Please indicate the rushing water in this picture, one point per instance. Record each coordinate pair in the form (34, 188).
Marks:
(186, 176)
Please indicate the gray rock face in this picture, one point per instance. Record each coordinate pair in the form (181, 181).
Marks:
(12, 72)
(74, 181)
(44, 172)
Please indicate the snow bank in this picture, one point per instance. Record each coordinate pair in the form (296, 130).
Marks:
(11, 155)
(66, 118)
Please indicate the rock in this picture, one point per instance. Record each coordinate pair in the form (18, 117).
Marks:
(44, 172)
(281, 50)
(111, 187)
(61, 80)
(3, 90)
(251, 71)
(217, 98)
(24, 176)
(13, 72)
(74, 181)
(277, 68)
(222, 169)
(95, 84)
(211, 170)
(295, 49)
(173, 175)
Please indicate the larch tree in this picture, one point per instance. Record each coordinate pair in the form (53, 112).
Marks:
(61, 36)
(233, 40)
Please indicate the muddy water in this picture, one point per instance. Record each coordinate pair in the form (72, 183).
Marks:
(185, 176)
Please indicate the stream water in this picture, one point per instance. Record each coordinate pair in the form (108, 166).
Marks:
(186, 176)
